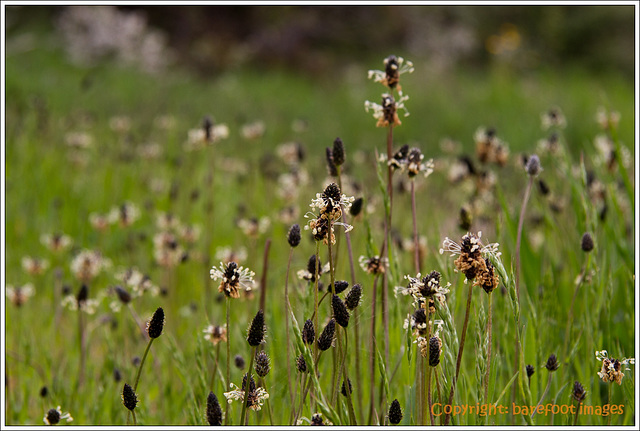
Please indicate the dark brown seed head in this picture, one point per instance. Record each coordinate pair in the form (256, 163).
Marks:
(129, 398)
(434, 351)
(414, 160)
(294, 235)
(207, 125)
(420, 319)
(256, 331)
(117, 375)
(338, 152)
(262, 364)
(316, 420)
(587, 242)
(400, 156)
(331, 194)
(353, 297)
(321, 229)
(356, 207)
(392, 72)
(231, 273)
(44, 391)
(389, 108)
(552, 363)
(487, 279)
(301, 364)
(530, 370)
(616, 364)
(432, 305)
(326, 338)
(83, 294)
(311, 267)
(340, 312)
(156, 324)
(238, 360)
(430, 284)
(53, 417)
(308, 332)
(465, 219)
(395, 412)
(252, 383)
(343, 391)
(331, 165)
(340, 286)
(543, 187)
(533, 167)
(123, 295)
(470, 260)
(579, 393)
(469, 245)
(214, 411)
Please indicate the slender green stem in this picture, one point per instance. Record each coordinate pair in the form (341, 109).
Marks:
(287, 307)
(320, 302)
(144, 357)
(133, 413)
(355, 316)
(416, 241)
(315, 299)
(582, 275)
(350, 409)
(356, 319)
(209, 226)
(544, 394)
(306, 386)
(623, 170)
(372, 347)
(459, 359)
(419, 388)
(263, 279)
(244, 418)
(438, 390)
(136, 318)
(336, 375)
(527, 192)
(490, 335)
(262, 383)
(429, 403)
(426, 383)
(215, 368)
(228, 376)
(293, 405)
(81, 344)
(575, 418)
(523, 209)
(609, 402)
(387, 233)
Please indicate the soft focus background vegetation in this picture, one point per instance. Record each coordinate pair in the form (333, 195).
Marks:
(302, 72)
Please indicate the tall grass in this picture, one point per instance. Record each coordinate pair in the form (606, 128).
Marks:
(51, 187)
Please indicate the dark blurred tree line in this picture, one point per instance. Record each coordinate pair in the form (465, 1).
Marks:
(321, 38)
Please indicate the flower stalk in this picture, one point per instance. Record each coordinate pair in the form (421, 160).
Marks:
(244, 419)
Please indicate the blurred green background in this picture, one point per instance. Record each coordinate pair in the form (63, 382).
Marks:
(323, 39)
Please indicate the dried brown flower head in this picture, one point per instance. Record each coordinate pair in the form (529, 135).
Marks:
(215, 334)
(233, 278)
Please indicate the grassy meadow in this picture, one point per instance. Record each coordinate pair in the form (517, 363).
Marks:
(103, 154)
